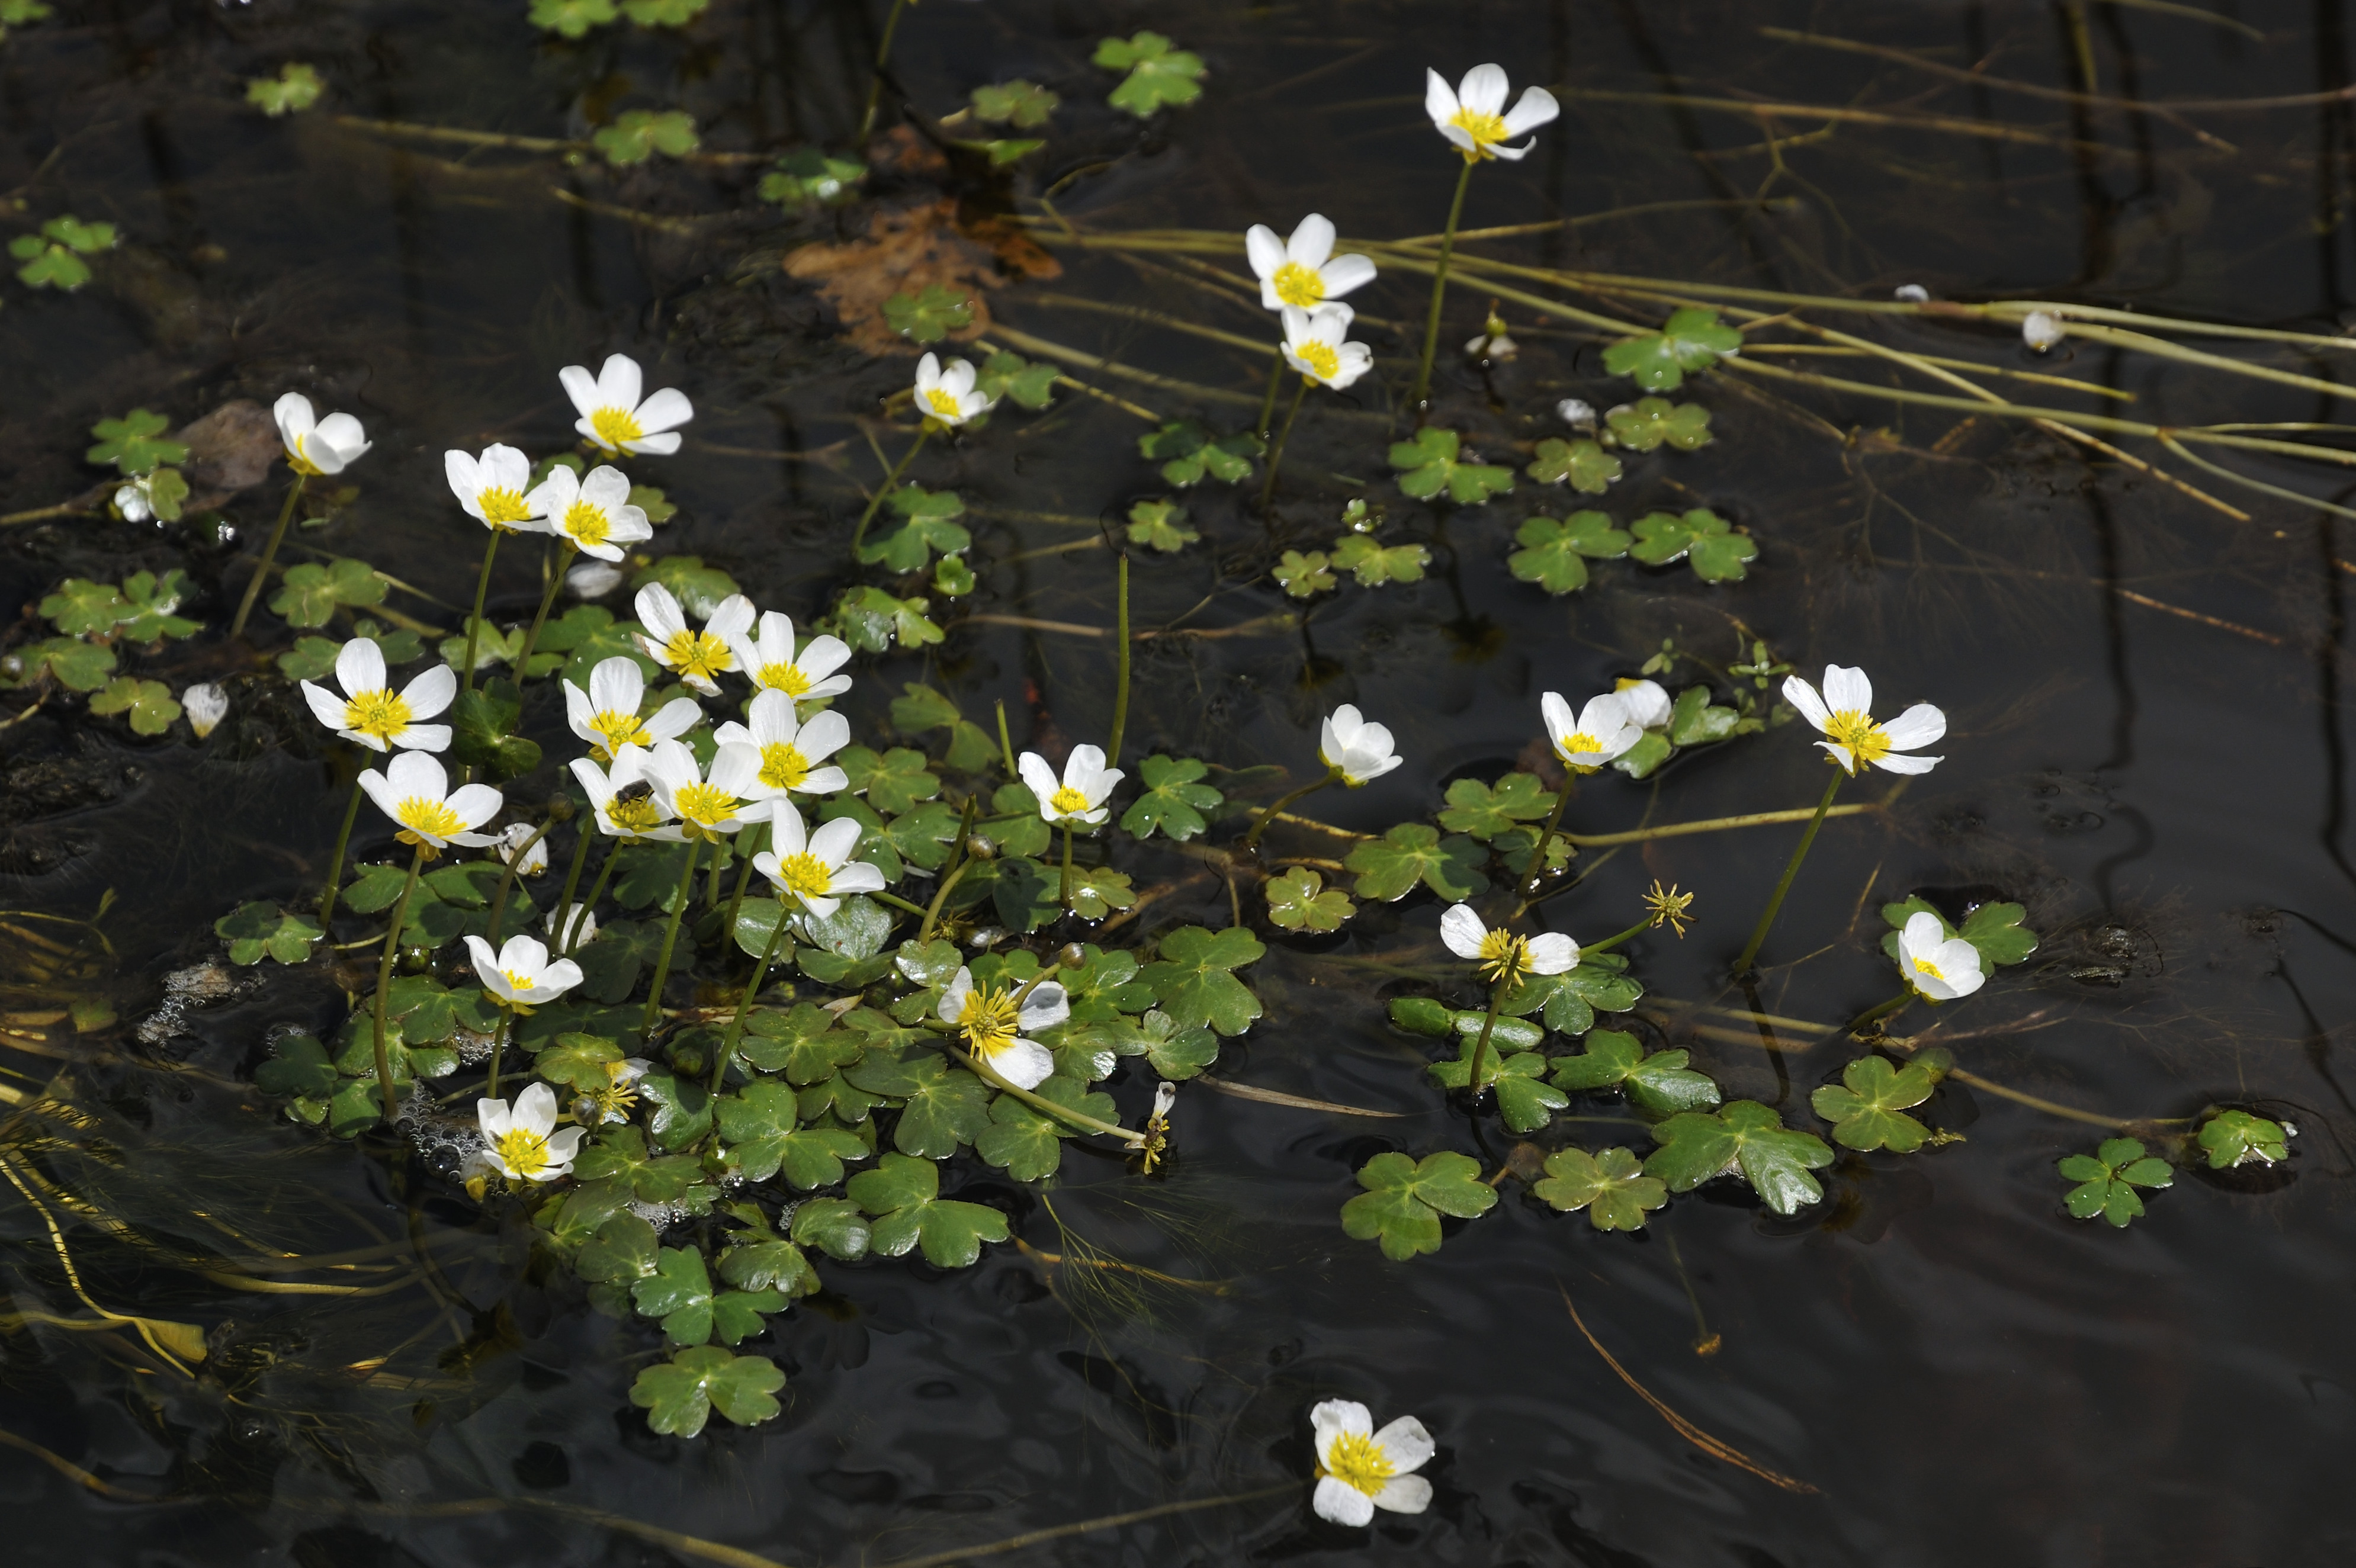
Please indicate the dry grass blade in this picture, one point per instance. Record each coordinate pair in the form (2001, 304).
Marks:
(1279, 1097)
(1109, 1521)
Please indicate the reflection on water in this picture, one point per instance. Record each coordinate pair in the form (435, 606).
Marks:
(314, 1353)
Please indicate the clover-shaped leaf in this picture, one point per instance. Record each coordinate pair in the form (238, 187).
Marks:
(47, 266)
(834, 1226)
(663, 12)
(1300, 900)
(1659, 1083)
(620, 1154)
(1568, 1002)
(149, 603)
(1404, 1199)
(806, 1045)
(1025, 105)
(2107, 1181)
(759, 1123)
(77, 665)
(483, 727)
(259, 931)
(1430, 464)
(573, 19)
(134, 444)
(1389, 868)
(1525, 1099)
(929, 316)
(1159, 76)
(1701, 537)
(312, 594)
(298, 1071)
(1304, 576)
(1581, 462)
(1189, 454)
(1868, 1106)
(1484, 811)
(1004, 375)
(929, 528)
(578, 1061)
(1373, 564)
(1193, 978)
(808, 174)
(639, 135)
(295, 87)
(1610, 1185)
(1994, 929)
(870, 620)
(679, 1395)
(1027, 1144)
(1173, 800)
(904, 1196)
(81, 608)
(1648, 423)
(149, 703)
(2236, 1137)
(1746, 1137)
(678, 1292)
(892, 781)
(1694, 339)
(1159, 525)
(1554, 555)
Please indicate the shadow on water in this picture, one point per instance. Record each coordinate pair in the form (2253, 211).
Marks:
(228, 1338)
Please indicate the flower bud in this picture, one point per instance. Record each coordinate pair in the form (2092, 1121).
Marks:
(980, 847)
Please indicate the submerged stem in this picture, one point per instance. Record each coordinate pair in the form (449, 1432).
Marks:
(1776, 899)
(384, 987)
(1415, 400)
(1875, 1014)
(891, 482)
(1260, 822)
(685, 894)
(883, 58)
(1276, 447)
(475, 623)
(336, 866)
(269, 554)
(958, 862)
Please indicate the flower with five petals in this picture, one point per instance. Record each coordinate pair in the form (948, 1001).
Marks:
(1359, 752)
(314, 445)
(1502, 957)
(815, 869)
(1360, 1469)
(790, 752)
(710, 806)
(1473, 117)
(994, 1025)
(606, 715)
(415, 790)
(1078, 799)
(696, 657)
(1303, 271)
(1314, 346)
(771, 660)
(624, 800)
(519, 975)
(947, 398)
(1844, 715)
(375, 715)
(1597, 733)
(1934, 965)
(593, 512)
(521, 1142)
(493, 488)
(612, 416)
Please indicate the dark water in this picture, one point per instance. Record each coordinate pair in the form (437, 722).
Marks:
(2148, 750)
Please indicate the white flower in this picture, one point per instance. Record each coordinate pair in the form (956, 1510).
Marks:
(206, 705)
(535, 859)
(1360, 1469)
(1843, 714)
(1647, 702)
(1577, 413)
(1080, 800)
(994, 1030)
(491, 488)
(610, 414)
(573, 925)
(694, 656)
(947, 398)
(1601, 732)
(371, 712)
(415, 790)
(789, 752)
(595, 512)
(1473, 119)
(519, 973)
(1502, 957)
(1492, 345)
(815, 869)
(805, 676)
(1362, 751)
(625, 802)
(594, 578)
(2041, 330)
(1912, 294)
(1939, 966)
(1313, 345)
(707, 808)
(523, 1144)
(1303, 271)
(316, 445)
(606, 715)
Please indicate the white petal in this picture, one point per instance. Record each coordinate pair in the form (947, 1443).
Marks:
(486, 965)
(1552, 953)
(1047, 1005)
(1342, 1503)
(1647, 703)
(659, 612)
(1462, 930)
(495, 1119)
(359, 667)
(1081, 768)
(1510, 154)
(1847, 690)
(1312, 242)
(1557, 716)
(1403, 1494)
(834, 842)
(1483, 89)
(580, 386)
(421, 738)
(730, 617)
(1919, 726)
(1039, 776)
(296, 420)
(343, 433)
(1343, 273)
(619, 382)
(431, 692)
(823, 736)
(1025, 1063)
(954, 994)
(616, 686)
(327, 709)
(410, 774)
(858, 877)
(1334, 1417)
(1537, 108)
(555, 980)
(535, 1109)
(1406, 1443)
(667, 410)
(1903, 763)
(928, 373)
(473, 804)
(1802, 696)
(1439, 100)
(1264, 249)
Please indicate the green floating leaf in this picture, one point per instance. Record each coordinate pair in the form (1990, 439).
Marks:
(77, 666)
(1581, 462)
(1404, 1199)
(1027, 1144)
(663, 12)
(1173, 799)
(679, 1395)
(1025, 105)
(1193, 978)
(1746, 1137)
(1304, 576)
(1525, 1099)
(1707, 541)
(903, 1194)
(2236, 1137)
(1482, 811)
(572, 19)
(483, 726)
(259, 931)
(311, 594)
(1568, 1002)
(892, 781)
(930, 528)
(1430, 464)
(148, 703)
(1659, 1083)
(807, 176)
(1160, 526)
(1300, 900)
(1694, 339)
(1159, 77)
(639, 135)
(1868, 1106)
(295, 87)
(132, 442)
(1994, 929)
(16, 13)
(298, 1071)
(1189, 454)
(1373, 564)
(1391, 867)
(2108, 1178)
(870, 620)
(1649, 423)
(929, 316)
(1610, 1185)
(1004, 375)
(1554, 555)
(150, 602)
(81, 608)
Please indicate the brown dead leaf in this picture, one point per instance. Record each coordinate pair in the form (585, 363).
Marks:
(905, 251)
(229, 450)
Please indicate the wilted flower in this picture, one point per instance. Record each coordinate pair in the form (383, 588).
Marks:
(995, 1028)
(1361, 753)
(491, 488)
(316, 445)
(1303, 271)
(606, 715)
(205, 706)
(523, 1144)
(573, 925)
(1502, 957)
(1577, 413)
(415, 790)
(1473, 119)
(511, 843)
(807, 676)
(520, 973)
(594, 513)
(371, 712)
(1079, 801)
(947, 398)
(1360, 1469)
(1492, 342)
(593, 579)
(613, 1100)
(613, 417)
(1939, 966)
(1313, 345)
(1598, 732)
(696, 657)
(1853, 739)
(790, 752)
(815, 869)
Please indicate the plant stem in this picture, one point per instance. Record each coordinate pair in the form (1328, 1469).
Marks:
(336, 866)
(1067, 866)
(1120, 698)
(1546, 840)
(671, 937)
(1713, 825)
(498, 1044)
(1006, 746)
(1268, 811)
(555, 582)
(748, 843)
(1415, 400)
(1609, 942)
(1276, 448)
(474, 625)
(269, 554)
(895, 902)
(1776, 899)
(752, 989)
(507, 881)
(958, 860)
(883, 58)
(573, 876)
(384, 986)
(1268, 404)
(1874, 1015)
(589, 905)
(1480, 1046)
(1040, 1103)
(891, 481)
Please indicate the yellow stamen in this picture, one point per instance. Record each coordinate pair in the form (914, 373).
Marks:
(615, 426)
(944, 405)
(616, 729)
(519, 982)
(990, 1020)
(1925, 966)
(1297, 285)
(783, 766)
(697, 654)
(1572, 747)
(1504, 956)
(786, 678)
(1321, 358)
(805, 875)
(1357, 1460)
(586, 524)
(381, 714)
(640, 816)
(526, 1152)
(1867, 742)
(431, 818)
(1068, 802)
(703, 807)
(1486, 131)
(299, 458)
(501, 507)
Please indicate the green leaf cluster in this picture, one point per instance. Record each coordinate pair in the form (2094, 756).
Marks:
(1405, 1198)
(637, 134)
(310, 594)
(1555, 553)
(1994, 929)
(2107, 1181)
(1743, 1139)
(1412, 854)
(1160, 76)
(259, 931)
(1025, 105)
(1610, 1185)
(1651, 422)
(928, 315)
(1431, 465)
(1581, 463)
(1160, 526)
(1171, 800)
(1693, 340)
(1031, 384)
(143, 609)
(135, 443)
(1658, 1083)
(295, 87)
(808, 177)
(1189, 455)
(53, 258)
(1300, 900)
(2231, 1138)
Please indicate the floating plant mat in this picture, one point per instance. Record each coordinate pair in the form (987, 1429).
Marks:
(1554, 1128)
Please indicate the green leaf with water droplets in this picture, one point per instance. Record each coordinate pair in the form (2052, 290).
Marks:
(2107, 1181)
(1658, 1083)
(904, 1196)
(2236, 1137)
(1700, 538)
(1373, 564)
(1431, 463)
(1300, 900)
(1304, 576)
(1581, 463)
(1650, 423)
(148, 704)
(929, 316)
(1484, 811)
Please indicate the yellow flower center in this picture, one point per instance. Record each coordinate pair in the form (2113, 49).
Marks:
(1297, 285)
(697, 654)
(703, 807)
(298, 458)
(786, 678)
(616, 729)
(526, 1152)
(1320, 357)
(944, 405)
(380, 713)
(805, 875)
(1068, 802)
(501, 507)
(1925, 966)
(587, 525)
(1357, 1460)
(782, 766)
(612, 1103)
(1578, 744)
(990, 1020)
(640, 816)
(615, 426)
(1866, 740)
(519, 982)
(1504, 956)
(433, 818)
(1486, 131)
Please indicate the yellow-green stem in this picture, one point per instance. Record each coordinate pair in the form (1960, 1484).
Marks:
(1480, 1046)
(269, 554)
(1268, 404)
(891, 482)
(1546, 841)
(1609, 942)
(1040, 1103)
(1875, 1014)
(1005, 746)
(1067, 866)
(547, 598)
(588, 906)
(1120, 696)
(685, 893)
(507, 880)
(498, 1044)
(385, 988)
(1415, 400)
(1776, 899)
(1276, 447)
(573, 876)
(752, 989)
(958, 862)
(336, 866)
(475, 624)
(883, 58)
(1267, 812)
(748, 843)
